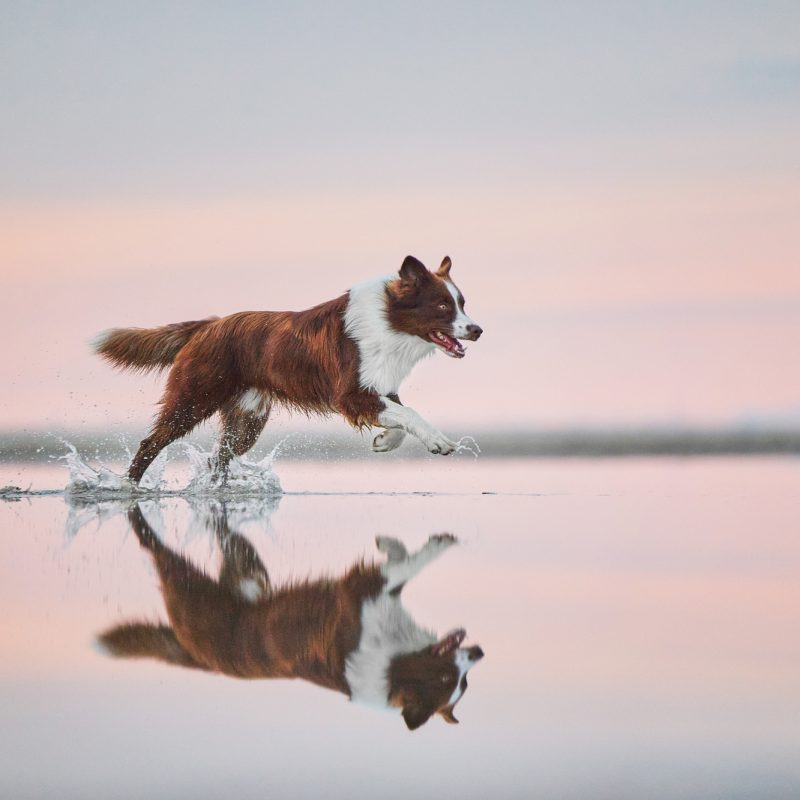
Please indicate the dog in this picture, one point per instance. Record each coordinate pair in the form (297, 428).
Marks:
(346, 356)
(350, 634)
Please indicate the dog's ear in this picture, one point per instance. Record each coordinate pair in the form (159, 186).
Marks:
(444, 268)
(413, 271)
(416, 715)
(447, 715)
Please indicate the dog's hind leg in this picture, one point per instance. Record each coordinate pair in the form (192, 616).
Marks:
(243, 573)
(178, 416)
(173, 569)
(241, 425)
(144, 531)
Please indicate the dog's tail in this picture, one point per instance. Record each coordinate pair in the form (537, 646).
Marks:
(144, 349)
(143, 640)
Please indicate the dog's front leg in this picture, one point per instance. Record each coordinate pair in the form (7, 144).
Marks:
(391, 438)
(395, 416)
(401, 566)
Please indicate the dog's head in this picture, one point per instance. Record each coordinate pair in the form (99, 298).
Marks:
(431, 681)
(429, 305)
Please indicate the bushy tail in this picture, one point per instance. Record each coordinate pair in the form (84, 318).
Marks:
(146, 348)
(142, 640)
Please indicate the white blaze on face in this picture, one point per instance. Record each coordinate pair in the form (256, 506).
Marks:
(461, 320)
(464, 663)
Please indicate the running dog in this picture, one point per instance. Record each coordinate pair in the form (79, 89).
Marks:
(346, 356)
(349, 634)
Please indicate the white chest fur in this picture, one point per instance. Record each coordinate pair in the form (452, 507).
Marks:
(386, 355)
(387, 630)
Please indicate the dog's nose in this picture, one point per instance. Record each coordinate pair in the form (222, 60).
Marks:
(474, 332)
(475, 653)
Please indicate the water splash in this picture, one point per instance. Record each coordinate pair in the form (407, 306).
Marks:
(246, 477)
(467, 444)
(95, 494)
(100, 482)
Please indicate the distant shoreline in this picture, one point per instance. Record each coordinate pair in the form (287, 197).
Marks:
(35, 446)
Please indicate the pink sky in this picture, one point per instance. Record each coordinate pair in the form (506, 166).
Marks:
(622, 306)
(626, 234)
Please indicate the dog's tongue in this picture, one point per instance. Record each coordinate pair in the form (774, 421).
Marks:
(449, 344)
(449, 642)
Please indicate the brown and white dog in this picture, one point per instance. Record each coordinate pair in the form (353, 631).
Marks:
(348, 355)
(351, 634)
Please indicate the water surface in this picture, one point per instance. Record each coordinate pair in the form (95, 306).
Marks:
(639, 620)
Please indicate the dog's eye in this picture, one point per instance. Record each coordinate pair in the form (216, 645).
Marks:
(442, 306)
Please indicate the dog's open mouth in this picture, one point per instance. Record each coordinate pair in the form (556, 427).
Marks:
(450, 642)
(447, 344)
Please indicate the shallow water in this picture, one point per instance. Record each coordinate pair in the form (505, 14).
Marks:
(639, 620)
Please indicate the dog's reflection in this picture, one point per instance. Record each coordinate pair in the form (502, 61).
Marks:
(349, 634)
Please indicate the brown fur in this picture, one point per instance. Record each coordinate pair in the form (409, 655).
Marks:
(302, 630)
(148, 348)
(420, 301)
(301, 359)
(421, 685)
(144, 640)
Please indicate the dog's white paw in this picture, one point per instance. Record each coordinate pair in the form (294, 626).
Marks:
(390, 439)
(442, 540)
(436, 545)
(393, 548)
(439, 444)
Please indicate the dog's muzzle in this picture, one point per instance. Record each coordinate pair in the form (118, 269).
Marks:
(473, 332)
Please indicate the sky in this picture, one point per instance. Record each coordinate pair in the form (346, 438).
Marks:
(617, 185)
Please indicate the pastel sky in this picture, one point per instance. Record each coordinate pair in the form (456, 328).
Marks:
(618, 185)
